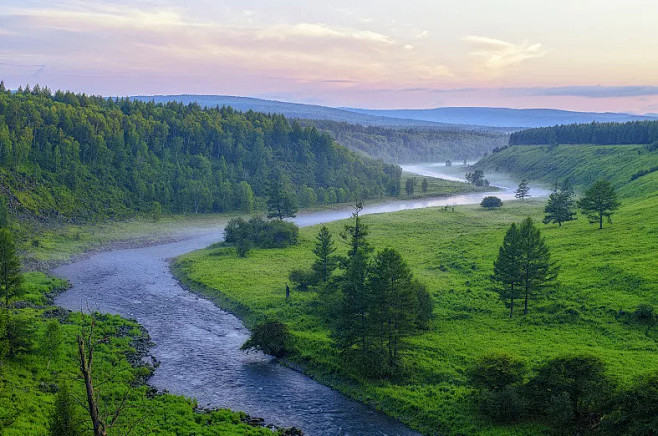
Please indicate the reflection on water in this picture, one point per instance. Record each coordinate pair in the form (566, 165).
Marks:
(198, 344)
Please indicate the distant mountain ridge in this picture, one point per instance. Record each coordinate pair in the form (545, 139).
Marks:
(289, 110)
(503, 117)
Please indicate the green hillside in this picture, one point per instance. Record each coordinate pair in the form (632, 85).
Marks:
(74, 157)
(622, 165)
(605, 277)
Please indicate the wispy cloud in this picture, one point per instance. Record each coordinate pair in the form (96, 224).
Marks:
(596, 91)
(498, 54)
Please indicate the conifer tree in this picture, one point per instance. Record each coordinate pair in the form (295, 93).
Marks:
(599, 201)
(523, 190)
(63, 420)
(325, 262)
(507, 267)
(10, 269)
(560, 207)
(535, 266)
(280, 202)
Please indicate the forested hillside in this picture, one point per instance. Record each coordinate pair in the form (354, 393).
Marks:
(414, 144)
(75, 156)
(637, 132)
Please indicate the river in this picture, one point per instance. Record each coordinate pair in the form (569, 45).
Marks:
(197, 343)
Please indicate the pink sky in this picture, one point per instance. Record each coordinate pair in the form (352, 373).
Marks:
(578, 55)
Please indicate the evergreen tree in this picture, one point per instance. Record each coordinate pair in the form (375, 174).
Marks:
(424, 185)
(410, 185)
(4, 213)
(560, 207)
(507, 267)
(280, 203)
(63, 420)
(394, 312)
(325, 262)
(599, 201)
(51, 341)
(535, 267)
(10, 269)
(523, 190)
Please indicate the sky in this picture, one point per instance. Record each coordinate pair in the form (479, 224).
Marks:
(568, 54)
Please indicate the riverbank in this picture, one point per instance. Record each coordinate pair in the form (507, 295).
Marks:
(452, 252)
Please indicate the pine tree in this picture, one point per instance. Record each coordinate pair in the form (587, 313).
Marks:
(507, 267)
(325, 262)
(560, 208)
(535, 266)
(63, 420)
(10, 269)
(599, 201)
(280, 203)
(523, 190)
(424, 185)
(4, 213)
(410, 185)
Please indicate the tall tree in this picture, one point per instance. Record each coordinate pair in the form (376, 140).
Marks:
(63, 420)
(599, 201)
(325, 261)
(523, 190)
(395, 310)
(280, 203)
(560, 207)
(424, 185)
(535, 265)
(10, 269)
(410, 185)
(507, 267)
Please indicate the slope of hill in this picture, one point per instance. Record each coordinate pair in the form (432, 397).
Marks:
(501, 117)
(74, 157)
(413, 144)
(631, 168)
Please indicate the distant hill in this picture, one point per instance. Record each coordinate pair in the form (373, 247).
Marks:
(289, 110)
(502, 117)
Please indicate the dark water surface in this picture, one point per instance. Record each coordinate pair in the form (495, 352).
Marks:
(198, 344)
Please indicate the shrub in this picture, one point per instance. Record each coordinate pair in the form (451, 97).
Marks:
(505, 406)
(635, 410)
(496, 371)
(491, 202)
(302, 278)
(260, 233)
(271, 337)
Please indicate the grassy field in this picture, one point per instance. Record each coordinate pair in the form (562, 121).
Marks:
(28, 384)
(439, 187)
(604, 274)
(583, 164)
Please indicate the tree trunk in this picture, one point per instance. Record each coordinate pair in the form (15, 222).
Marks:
(85, 368)
(511, 306)
(600, 221)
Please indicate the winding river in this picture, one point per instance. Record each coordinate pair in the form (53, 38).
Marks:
(197, 343)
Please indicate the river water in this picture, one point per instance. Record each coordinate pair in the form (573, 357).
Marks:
(198, 344)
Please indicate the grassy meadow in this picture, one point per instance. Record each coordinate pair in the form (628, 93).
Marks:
(604, 275)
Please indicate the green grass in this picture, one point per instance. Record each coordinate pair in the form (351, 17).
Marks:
(583, 164)
(28, 384)
(602, 273)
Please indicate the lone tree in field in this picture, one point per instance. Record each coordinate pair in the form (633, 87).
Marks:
(280, 201)
(560, 207)
(523, 265)
(507, 267)
(599, 201)
(523, 190)
(325, 261)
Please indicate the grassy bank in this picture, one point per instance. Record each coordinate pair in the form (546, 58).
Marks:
(582, 164)
(29, 382)
(439, 187)
(603, 275)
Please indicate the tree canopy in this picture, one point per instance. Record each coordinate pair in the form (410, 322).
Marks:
(599, 201)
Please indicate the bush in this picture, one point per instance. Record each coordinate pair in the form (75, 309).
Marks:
(491, 202)
(271, 337)
(505, 406)
(302, 278)
(635, 410)
(260, 233)
(496, 371)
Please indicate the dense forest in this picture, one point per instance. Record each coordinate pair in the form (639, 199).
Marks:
(413, 144)
(636, 132)
(71, 155)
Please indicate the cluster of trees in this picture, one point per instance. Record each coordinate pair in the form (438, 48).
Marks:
(634, 132)
(257, 232)
(476, 178)
(79, 156)
(573, 394)
(413, 144)
(599, 201)
(372, 305)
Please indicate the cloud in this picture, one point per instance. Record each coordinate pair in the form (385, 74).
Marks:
(498, 54)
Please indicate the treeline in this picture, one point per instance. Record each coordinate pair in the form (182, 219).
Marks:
(417, 144)
(77, 156)
(635, 132)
